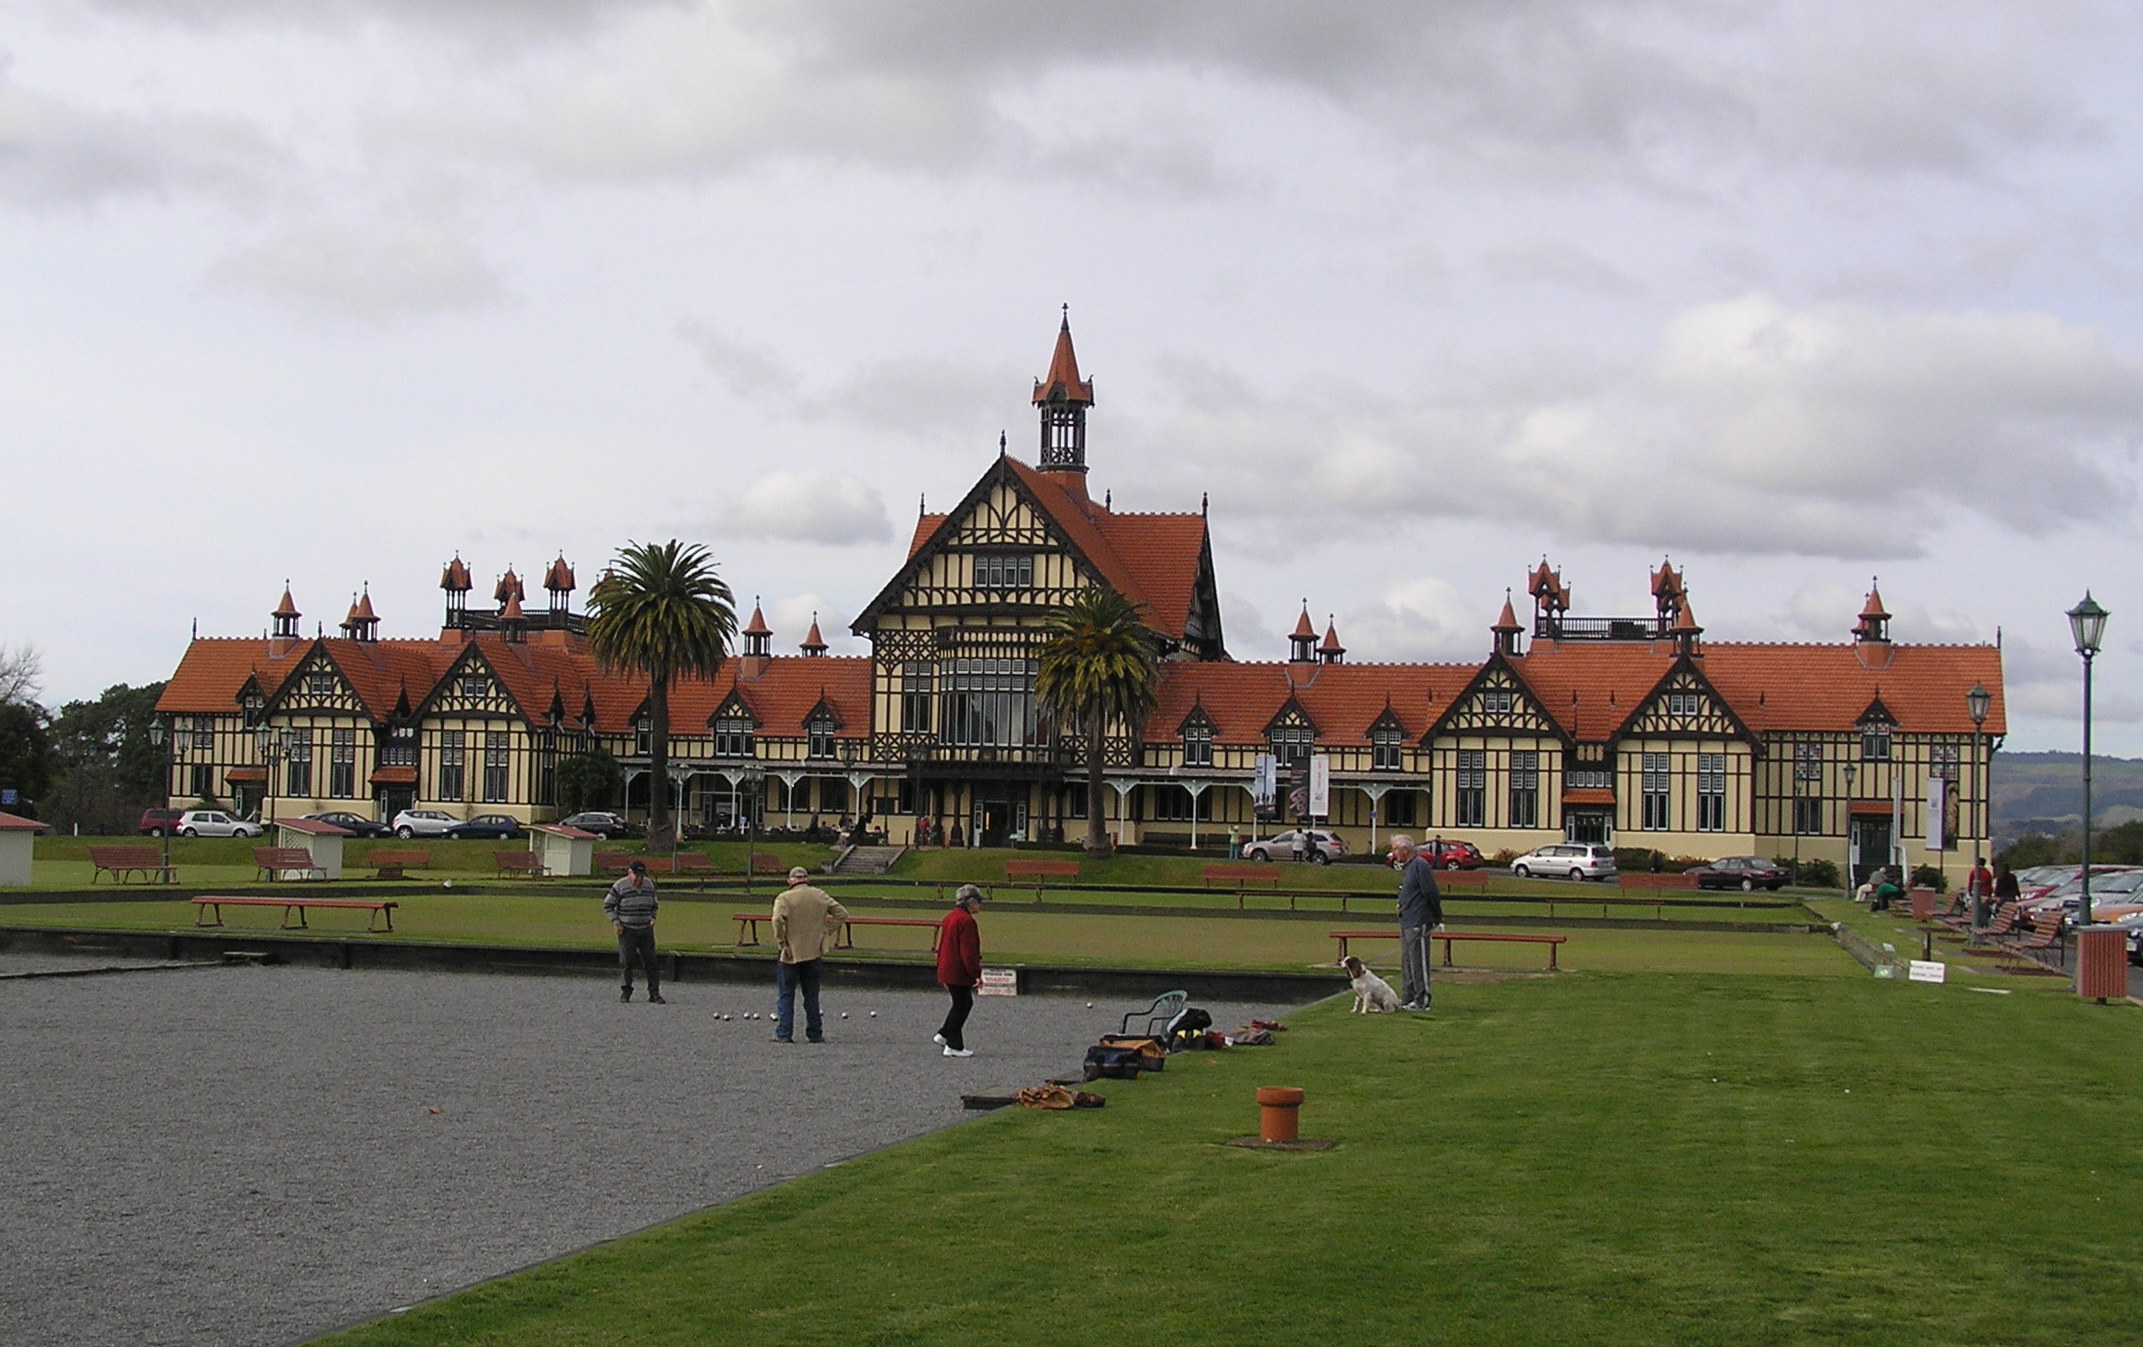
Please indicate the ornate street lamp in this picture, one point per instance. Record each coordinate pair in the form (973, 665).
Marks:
(2087, 623)
(274, 746)
(755, 789)
(1975, 705)
(160, 735)
(1852, 769)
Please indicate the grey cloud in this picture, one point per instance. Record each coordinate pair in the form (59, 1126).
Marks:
(808, 506)
(1555, 263)
(57, 153)
(749, 371)
(370, 274)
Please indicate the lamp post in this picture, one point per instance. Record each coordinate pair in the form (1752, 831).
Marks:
(159, 736)
(679, 775)
(1852, 845)
(274, 746)
(754, 787)
(2087, 623)
(1975, 705)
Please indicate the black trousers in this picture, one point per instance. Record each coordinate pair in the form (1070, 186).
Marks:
(963, 1000)
(638, 942)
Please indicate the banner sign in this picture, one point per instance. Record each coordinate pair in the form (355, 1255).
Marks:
(1321, 786)
(1937, 813)
(1266, 784)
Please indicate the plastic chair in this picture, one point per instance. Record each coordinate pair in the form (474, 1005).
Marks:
(1164, 1008)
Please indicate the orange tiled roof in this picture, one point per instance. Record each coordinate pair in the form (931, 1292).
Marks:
(757, 626)
(456, 575)
(1826, 687)
(1343, 700)
(1062, 383)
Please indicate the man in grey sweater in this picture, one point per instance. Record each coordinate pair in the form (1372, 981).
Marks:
(630, 905)
(1421, 909)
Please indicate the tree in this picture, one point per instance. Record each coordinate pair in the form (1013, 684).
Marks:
(25, 755)
(21, 674)
(660, 610)
(1095, 666)
(107, 768)
(590, 780)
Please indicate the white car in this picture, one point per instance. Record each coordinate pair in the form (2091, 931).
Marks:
(215, 823)
(1567, 860)
(422, 823)
(1281, 847)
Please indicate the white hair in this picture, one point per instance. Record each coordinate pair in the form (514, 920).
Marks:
(1401, 841)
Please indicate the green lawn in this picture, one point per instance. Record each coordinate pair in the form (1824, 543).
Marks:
(1592, 1159)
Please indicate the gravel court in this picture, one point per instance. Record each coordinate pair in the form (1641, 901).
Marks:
(252, 1155)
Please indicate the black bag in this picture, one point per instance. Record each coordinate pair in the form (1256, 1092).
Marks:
(1187, 1029)
(1114, 1062)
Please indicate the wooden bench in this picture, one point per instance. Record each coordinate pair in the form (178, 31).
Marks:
(1448, 937)
(1239, 875)
(392, 863)
(748, 928)
(212, 907)
(2045, 932)
(519, 863)
(761, 863)
(1643, 879)
(122, 861)
(271, 862)
(1041, 872)
(613, 862)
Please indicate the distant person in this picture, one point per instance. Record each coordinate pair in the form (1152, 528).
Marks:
(2006, 889)
(1235, 841)
(1886, 892)
(1421, 910)
(959, 968)
(805, 918)
(630, 905)
(1978, 888)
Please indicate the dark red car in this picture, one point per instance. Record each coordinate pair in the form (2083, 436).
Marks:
(159, 822)
(1746, 873)
(1446, 854)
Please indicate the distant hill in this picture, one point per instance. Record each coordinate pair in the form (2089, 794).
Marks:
(2043, 792)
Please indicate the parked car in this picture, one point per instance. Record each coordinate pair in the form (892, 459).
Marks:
(1746, 873)
(215, 823)
(498, 827)
(1573, 860)
(1325, 846)
(601, 822)
(422, 823)
(355, 824)
(2111, 888)
(159, 822)
(1450, 855)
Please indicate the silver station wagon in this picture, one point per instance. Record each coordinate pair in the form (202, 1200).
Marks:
(1567, 860)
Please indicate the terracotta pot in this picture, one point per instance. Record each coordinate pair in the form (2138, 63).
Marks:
(1278, 1114)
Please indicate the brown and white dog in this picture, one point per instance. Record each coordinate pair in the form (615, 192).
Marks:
(1372, 994)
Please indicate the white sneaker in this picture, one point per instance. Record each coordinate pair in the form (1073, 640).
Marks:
(938, 1039)
(959, 1052)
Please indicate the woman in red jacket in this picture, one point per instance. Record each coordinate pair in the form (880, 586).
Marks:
(959, 967)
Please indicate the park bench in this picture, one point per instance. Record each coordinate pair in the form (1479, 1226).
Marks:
(273, 862)
(613, 862)
(763, 863)
(391, 863)
(1642, 879)
(208, 910)
(2045, 932)
(1449, 937)
(519, 863)
(1041, 872)
(1239, 875)
(122, 861)
(748, 928)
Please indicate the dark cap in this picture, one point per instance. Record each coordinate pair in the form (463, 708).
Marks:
(638, 867)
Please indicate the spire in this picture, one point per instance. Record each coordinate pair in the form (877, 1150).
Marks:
(558, 579)
(814, 644)
(1874, 624)
(509, 588)
(1302, 641)
(511, 618)
(1506, 627)
(1063, 397)
(1331, 651)
(756, 632)
(1686, 629)
(286, 615)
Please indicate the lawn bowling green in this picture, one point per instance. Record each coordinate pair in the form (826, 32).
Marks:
(245, 1155)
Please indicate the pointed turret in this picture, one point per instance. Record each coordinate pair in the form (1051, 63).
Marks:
(1302, 641)
(558, 579)
(362, 624)
(1063, 397)
(286, 616)
(1686, 629)
(509, 587)
(511, 618)
(454, 579)
(1506, 627)
(757, 634)
(1330, 651)
(814, 644)
(1668, 593)
(1874, 624)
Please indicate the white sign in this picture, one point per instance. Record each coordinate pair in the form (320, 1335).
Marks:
(1321, 786)
(1000, 982)
(1937, 810)
(1928, 970)
(1267, 782)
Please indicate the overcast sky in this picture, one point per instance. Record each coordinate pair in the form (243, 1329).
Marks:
(1419, 292)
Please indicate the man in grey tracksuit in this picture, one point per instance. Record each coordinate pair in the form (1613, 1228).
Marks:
(1421, 910)
(630, 905)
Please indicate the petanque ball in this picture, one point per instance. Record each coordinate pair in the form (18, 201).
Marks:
(844, 1014)
(1090, 1005)
(874, 1014)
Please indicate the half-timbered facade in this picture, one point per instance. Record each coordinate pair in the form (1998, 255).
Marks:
(1632, 730)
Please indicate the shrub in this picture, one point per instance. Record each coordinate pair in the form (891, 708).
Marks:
(1929, 877)
(1817, 873)
(1639, 860)
(1505, 857)
(1681, 863)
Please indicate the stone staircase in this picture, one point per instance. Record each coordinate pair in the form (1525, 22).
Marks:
(867, 860)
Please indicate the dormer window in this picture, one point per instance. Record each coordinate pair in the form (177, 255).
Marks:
(1197, 745)
(820, 735)
(1875, 743)
(1681, 704)
(1496, 702)
(733, 737)
(1002, 570)
(643, 735)
(1291, 744)
(475, 687)
(320, 683)
(1385, 745)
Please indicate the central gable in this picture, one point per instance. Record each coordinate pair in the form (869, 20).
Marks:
(318, 684)
(1685, 705)
(1496, 701)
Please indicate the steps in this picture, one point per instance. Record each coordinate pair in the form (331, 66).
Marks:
(867, 860)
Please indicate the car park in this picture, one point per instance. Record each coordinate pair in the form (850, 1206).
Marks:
(1567, 860)
(601, 822)
(2113, 890)
(357, 825)
(422, 823)
(215, 823)
(497, 827)
(1326, 846)
(1746, 873)
(159, 822)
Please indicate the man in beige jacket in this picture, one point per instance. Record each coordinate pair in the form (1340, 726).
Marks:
(805, 920)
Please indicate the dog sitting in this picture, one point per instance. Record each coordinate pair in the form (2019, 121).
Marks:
(1372, 994)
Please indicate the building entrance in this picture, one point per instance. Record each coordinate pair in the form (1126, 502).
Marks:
(1588, 825)
(1870, 847)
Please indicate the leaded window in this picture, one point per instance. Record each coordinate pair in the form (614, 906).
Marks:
(733, 737)
(496, 746)
(1292, 744)
(342, 765)
(1808, 816)
(451, 764)
(1496, 702)
(819, 737)
(1682, 704)
(1472, 797)
(1525, 789)
(991, 703)
(1875, 744)
(1003, 570)
(204, 734)
(298, 771)
(1385, 747)
(918, 680)
(1944, 761)
(1711, 792)
(1198, 745)
(1655, 796)
(1808, 761)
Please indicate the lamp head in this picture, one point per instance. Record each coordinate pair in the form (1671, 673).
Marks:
(2087, 623)
(1975, 702)
(157, 732)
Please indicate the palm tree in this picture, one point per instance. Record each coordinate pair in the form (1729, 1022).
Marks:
(1096, 666)
(660, 610)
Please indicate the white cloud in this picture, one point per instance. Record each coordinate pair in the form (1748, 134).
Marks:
(750, 371)
(60, 153)
(808, 506)
(1420, 619)
(791, 617)
(369, 274)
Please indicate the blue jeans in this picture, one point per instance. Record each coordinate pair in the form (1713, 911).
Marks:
(787, 977)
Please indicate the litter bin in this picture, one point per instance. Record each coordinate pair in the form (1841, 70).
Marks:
(2102, 962)
(1923, 904)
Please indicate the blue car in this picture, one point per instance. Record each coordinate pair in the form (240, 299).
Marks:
(493, 827)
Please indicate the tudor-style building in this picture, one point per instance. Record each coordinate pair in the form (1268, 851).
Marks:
(1627, 729)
